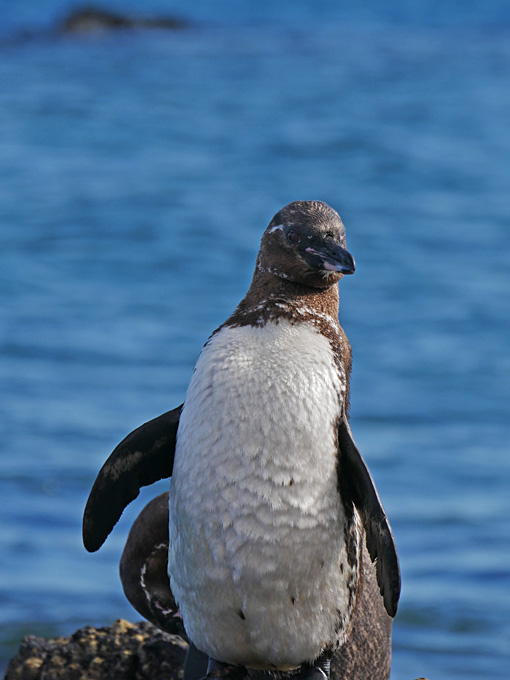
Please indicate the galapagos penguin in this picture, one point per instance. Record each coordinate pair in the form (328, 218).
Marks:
(280, 554)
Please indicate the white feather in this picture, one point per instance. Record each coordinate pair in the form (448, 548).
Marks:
(257, 524)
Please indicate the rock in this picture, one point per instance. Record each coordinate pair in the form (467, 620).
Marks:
(123, 651)
(90, 20)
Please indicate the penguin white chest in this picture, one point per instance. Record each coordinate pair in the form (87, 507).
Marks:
(258, 559)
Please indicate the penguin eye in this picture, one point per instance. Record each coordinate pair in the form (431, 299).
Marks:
(292, 237)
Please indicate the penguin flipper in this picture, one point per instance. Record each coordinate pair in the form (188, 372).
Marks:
(142, 458)
(379, 537)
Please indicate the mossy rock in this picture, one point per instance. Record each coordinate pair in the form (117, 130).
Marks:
(124, 651)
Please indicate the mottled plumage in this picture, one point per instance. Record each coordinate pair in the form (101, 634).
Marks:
(257, 444)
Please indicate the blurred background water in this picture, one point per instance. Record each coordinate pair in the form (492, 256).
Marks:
(138, 171)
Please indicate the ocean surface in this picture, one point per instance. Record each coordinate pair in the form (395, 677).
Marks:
(137, 173)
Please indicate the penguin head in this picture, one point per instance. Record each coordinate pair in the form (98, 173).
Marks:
(305, 243)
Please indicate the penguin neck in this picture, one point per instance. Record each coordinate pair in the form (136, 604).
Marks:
(271, 296)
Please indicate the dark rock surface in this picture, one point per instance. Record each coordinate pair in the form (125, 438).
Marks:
(123, 651)
(95, 19)
(93, 22)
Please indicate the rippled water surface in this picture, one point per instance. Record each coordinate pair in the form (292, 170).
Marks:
(138, 171)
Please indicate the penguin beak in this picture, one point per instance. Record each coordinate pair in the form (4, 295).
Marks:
(333, 258)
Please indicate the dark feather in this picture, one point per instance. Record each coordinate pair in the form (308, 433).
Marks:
(142, 458)
(357, 480)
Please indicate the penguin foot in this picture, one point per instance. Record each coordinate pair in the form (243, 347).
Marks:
(225, 671)
(320, 669)
(195, 664)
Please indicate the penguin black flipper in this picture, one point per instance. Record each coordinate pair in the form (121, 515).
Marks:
(379, 537)
(142, 458)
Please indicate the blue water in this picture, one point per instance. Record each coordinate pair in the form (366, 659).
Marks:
(137, 173)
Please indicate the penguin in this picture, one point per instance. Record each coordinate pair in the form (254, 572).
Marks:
(280, 555)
